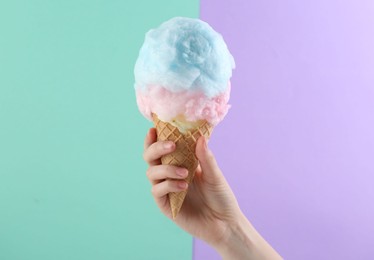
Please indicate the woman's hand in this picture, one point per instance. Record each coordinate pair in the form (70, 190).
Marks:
(210, 210)
(209, 204)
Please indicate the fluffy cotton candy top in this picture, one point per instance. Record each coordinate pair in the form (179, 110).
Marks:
(184, 54)
(183, 69)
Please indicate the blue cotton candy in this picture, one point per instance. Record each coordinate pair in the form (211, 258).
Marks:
(184, 54)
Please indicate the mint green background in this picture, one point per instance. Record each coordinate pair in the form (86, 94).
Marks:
(72, 179)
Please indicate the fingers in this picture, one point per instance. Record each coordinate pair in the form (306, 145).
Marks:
(206, 158)
(161, 172)
(166, 179)
(154, 150)
(163, 188)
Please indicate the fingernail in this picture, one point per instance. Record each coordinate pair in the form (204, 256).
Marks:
(168, 145)
(182, 172)
(182, 185)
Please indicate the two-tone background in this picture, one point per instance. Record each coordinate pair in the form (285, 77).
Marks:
(297, 147)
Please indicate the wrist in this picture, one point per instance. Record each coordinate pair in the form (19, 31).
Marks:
(239, 237)
(242, 241)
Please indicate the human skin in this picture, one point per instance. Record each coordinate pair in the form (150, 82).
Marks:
(210, 210)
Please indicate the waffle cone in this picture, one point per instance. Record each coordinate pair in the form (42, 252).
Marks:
(184, 154)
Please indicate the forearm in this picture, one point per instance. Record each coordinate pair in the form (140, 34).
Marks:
(244, 242)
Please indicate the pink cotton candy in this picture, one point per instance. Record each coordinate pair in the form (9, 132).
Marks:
(193, 106)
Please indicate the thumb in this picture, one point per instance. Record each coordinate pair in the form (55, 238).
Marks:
(207, 160)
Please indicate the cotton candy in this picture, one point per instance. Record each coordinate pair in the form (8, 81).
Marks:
(184, 69)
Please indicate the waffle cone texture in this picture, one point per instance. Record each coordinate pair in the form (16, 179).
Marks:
(184, 154)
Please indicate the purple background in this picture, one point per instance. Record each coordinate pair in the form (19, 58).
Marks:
(297, 146)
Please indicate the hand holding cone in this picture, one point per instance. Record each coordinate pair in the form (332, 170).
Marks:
(184, 154)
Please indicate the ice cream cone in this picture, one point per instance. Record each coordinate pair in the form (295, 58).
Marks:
(182, 84)
(184, 154)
